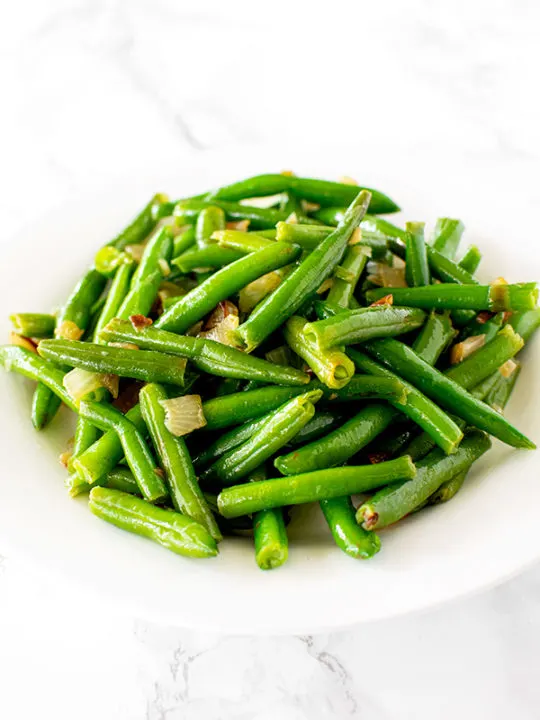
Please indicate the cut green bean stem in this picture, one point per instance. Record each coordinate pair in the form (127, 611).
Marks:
(322, 192)
(451, 396)
(115, 297)
(200, 301)
(433, 471)
(348, 535)
(138, 457)
(418, 407)
(175, 532)
(447, 236)
(331, 366)
(142, 225)
(173, 454)
(484, 361)
(34, 325)
(494, 297)
(347, 275)
(270, 538)
(304, 280)
(137, 364)
(140, 298)
(340, 444)
(471, 260)
(207, 355)
(158, 250)
(265, 441)
(210, 257)
(416, 268)
(32, 366)
(308, 487)
(435, 336)
(353, 326)
(209, 221)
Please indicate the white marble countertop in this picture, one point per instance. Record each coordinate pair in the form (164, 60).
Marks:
(91, 87)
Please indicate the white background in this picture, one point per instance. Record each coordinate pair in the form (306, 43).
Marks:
(93, 90)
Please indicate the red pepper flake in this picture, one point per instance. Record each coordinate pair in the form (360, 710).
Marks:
(379, 457)
(139, 322)
(386, 300)
(483, 317)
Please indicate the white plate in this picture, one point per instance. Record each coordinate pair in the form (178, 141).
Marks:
(490, 531)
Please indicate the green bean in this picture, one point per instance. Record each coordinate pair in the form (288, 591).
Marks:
(347, 275)
(265, 441)
(184, 241)
(447, 270)
(138, 364)
(270, 538)
(138, 457)
(484, 361)
(447, 236)
(479, 326)
(499, 394)
(310, 236)
(241, 242)
(353, 326)
(141, 297)
(78, 306)
(526, 323)
(448, 489)
(121, 478)
(348, 535)
(331, 366)
(45, 405)
(227, 386)
(322, 192)
(383, 227)
(435, 336)
(142, 225)
(158, 250)
(494, 297)
(27, 363)
(416, 268)
(209, 221)
(291, 204)
(471, 260)
(422, 444)
(230, 440)
(329, 215)
(34, 325)
(303, 280)
(86, 434)
(432, 472)
(418, 407)
(307, 487)
(259, 218)
(323, 423)
(270, 234)
(207, 355)
(481, 390)
(173, 454)
(202, 299)
(175, 532)
(212, 256)
(340, 445)
(451, 396)
(115, 297)
(105, 454)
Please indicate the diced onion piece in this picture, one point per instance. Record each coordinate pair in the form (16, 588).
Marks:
(356, 238)
(140, 322)
(500, 281)
(386, 300)
(308, 206)
(263, 202)
(398, 262)
(508, 368)
(241, 225)
(224, 332)
(164, 267)
(65, 457)
(223, 309)
(183, 414)
(135, 252)
(194, 330)
(170, 222)
(252, 294)
(325, 285)
(68, 330)
(79, 383)
(462, 350)
(22, 341)
(483, 317)
(346, 180)
(386, 276)
(292, 219)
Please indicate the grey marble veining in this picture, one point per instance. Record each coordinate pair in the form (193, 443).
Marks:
(99, 88)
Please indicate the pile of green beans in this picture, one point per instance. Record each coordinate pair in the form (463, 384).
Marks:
(229, 359)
